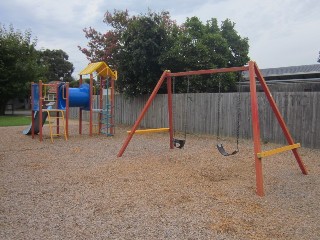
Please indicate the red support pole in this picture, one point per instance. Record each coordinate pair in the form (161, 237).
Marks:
(67, 111)
(100, 103)
(80, 110)
(209, 71)
(32, 111)
(256, 130)
(279, 118)
(143, 112)
(56, 90)
(58, 122)
(40, 110)
(169, 90)
(90, 103)
(112, 130)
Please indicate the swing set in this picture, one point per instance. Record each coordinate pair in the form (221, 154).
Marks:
(254, 72)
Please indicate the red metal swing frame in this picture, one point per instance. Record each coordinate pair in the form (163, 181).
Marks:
(254, 72)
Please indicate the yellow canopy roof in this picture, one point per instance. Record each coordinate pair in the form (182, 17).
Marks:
(101, 68)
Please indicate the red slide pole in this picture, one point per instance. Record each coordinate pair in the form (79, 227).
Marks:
(32, 111)
(40, 110)
(90, 103)
(67, 111)
(80, 110)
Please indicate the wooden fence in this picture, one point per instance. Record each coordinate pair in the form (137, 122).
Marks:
(198, 112)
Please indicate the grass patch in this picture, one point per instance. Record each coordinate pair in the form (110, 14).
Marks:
(7, 121)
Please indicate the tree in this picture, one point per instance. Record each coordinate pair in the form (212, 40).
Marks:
(142, 46)
(105, 47)
(205, 46)
(18, 64)
(133, 47)
(57, 65)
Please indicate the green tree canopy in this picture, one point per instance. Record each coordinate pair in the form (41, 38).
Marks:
(18, 64)
(142, 46)
(56, 64)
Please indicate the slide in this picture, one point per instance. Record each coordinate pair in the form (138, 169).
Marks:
(27, 131)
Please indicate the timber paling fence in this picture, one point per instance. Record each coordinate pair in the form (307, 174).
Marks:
(199, 113)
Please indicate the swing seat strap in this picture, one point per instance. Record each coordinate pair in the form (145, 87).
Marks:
(223, 151)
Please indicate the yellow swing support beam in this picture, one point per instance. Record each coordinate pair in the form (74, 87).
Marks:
(278, 150)
(151, 130)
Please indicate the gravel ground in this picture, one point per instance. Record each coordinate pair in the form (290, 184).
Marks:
(79, 189)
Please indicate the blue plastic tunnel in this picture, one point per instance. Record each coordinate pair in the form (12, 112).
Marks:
(78, 97)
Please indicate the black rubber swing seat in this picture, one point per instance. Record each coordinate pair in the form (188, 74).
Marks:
(223, 151)
(178, 143)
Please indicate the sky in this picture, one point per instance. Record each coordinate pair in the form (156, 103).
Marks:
(281, 32)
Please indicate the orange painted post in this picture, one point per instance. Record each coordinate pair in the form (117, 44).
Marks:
(169, 90)
(32, 111)
(279, 118)
(40, 110)
(112, 130)
(56, 90)
(143, 112)
(256, 130)
(100, 104)
(208, 71)
(67, 111)
(90, 104)
(58, 122)
(80, 110)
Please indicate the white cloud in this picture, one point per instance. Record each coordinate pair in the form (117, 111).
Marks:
(281, 33)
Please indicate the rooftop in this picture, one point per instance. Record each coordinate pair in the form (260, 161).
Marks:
(292, 72)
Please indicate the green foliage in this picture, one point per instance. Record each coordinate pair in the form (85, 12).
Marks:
(141, 47)
(74, 84)
(57, 65)
(142, 44)
(18, 64)
(6, 121)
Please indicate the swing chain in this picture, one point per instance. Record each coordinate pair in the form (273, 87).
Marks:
(186, 110)
(219, 145)
(219, 102)
(238, 109)
(174, 103)
(176, 142)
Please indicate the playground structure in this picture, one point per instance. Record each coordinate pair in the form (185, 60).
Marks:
(254, 74)
(62, 97)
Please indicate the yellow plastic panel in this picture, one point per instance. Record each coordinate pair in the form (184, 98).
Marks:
(101, 68)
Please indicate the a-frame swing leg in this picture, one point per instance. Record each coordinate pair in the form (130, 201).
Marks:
(254, 71)
(279, 118)
(143, 112)
(256, 130)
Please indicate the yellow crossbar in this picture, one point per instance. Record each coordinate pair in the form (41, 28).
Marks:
(151, 130)
(278, 150)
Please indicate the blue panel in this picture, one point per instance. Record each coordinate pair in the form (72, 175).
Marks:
(35, 104)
